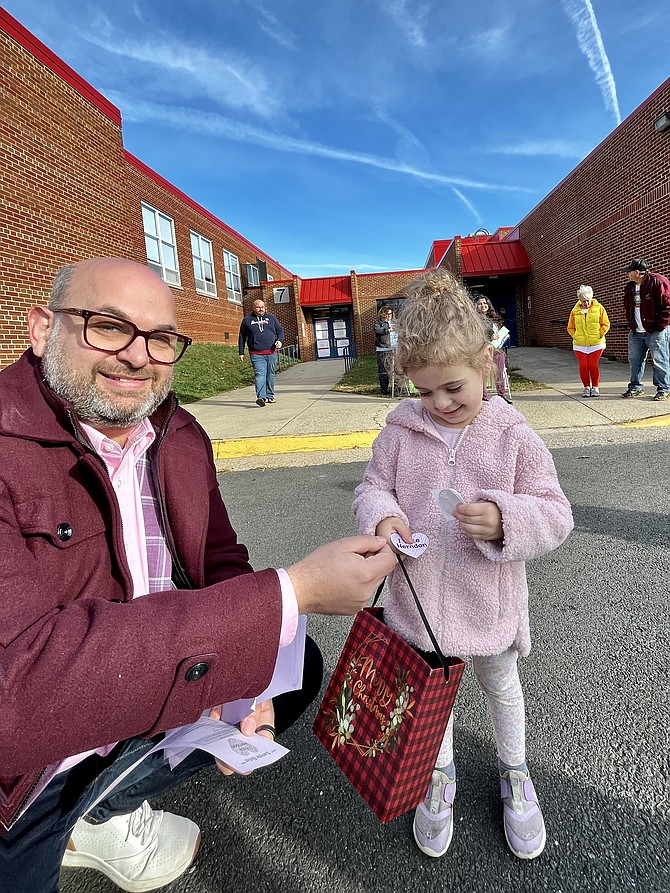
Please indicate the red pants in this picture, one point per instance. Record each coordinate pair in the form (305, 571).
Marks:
(588, 367)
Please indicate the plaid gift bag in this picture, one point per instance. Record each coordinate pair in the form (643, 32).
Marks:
(384, 714)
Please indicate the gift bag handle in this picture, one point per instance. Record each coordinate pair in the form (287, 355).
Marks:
(431, 634)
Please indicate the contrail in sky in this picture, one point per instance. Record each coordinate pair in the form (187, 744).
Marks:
(218, 125)
(591, 44)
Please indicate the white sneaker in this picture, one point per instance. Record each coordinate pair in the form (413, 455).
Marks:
(141, 851)
(595, 392)
(586, 392)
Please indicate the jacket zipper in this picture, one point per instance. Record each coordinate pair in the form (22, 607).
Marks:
(178, 571)
(17, 813)
(452, 449)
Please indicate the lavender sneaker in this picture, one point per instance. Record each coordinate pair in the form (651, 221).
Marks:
(522, 817)
(434, 818)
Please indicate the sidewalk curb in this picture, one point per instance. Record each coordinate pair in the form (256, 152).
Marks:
(652, 422)
(260, 446)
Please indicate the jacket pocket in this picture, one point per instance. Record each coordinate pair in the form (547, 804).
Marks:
(63, 524)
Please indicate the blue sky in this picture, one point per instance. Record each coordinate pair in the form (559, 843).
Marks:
(351, 134)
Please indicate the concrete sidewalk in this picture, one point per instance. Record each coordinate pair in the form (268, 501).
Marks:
(308, 416)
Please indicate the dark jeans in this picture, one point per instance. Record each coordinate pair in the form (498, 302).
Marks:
(32, 850)
(382, 371)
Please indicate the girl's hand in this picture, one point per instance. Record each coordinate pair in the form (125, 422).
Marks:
(394, 525)
(480, 520)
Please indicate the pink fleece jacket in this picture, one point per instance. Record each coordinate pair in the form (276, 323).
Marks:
(474, 593)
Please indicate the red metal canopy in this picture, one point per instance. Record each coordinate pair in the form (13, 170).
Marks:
(482, 257)
(330, 290)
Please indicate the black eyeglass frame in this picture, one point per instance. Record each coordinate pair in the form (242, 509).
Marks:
(182, 340)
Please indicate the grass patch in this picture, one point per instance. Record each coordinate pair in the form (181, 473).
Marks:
(519, 382)
(362, 379)
(208, 369)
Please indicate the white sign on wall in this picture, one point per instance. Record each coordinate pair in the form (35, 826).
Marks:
(281, 295)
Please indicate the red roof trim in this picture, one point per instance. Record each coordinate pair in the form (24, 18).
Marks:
(41, 52)
(161, 181)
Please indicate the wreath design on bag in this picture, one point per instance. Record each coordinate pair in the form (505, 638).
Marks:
(340, 716)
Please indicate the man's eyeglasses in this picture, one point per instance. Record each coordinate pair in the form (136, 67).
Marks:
(108, 333)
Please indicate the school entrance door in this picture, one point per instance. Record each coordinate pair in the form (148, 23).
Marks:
(331, 336)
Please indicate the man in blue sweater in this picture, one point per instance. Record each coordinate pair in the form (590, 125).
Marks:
(263, 335)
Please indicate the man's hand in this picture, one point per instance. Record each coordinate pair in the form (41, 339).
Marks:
(340, 577)
(480, 520)
(277, 344)
(262, 715)
(241, 356)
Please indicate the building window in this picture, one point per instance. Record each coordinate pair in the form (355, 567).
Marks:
(203, 264)
(160, 243)
(231, 265)
(253, 276)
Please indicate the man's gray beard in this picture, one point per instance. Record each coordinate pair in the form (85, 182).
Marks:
(79, 389)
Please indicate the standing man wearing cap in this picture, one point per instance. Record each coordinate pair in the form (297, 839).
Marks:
(647, 305)
(263, 334)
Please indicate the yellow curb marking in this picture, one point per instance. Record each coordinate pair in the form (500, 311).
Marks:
(648, 423)
(258, 446)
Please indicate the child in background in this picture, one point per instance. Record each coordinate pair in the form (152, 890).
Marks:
(471, 580)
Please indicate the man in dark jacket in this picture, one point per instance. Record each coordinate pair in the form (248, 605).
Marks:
(264, 335)
(647, 305)
(127, 605)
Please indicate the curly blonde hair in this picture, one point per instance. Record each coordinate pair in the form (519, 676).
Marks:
(439, 326)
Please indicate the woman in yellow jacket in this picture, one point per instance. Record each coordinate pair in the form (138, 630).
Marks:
(588, 326)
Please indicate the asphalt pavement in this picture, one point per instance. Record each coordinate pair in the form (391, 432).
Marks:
(597, 682)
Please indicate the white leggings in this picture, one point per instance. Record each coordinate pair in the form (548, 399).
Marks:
(498, 677)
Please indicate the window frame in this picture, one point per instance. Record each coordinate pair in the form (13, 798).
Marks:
(257, 276)
(234, 293)
(201, 282)
(157, 238)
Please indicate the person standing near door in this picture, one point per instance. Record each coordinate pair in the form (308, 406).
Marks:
(263, 334)
(384, 343)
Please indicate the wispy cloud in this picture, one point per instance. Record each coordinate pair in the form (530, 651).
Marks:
(490, 44)
(411, 150)
(591, 44)
(273, 27)
(218, 125)
(231, 78)
(410, 20)
(542, 148)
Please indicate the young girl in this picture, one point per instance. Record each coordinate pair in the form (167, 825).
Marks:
(471, 580)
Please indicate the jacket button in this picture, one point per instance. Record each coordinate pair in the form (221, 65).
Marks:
(197, 671)
(64, 532)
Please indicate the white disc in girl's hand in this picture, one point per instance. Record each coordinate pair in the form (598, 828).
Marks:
(415, 548)
(447, 500)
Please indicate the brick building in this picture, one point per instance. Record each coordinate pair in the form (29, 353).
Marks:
(613, 206)
(70, 190)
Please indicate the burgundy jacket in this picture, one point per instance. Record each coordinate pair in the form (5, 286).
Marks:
(81, 663)
(654, 303)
